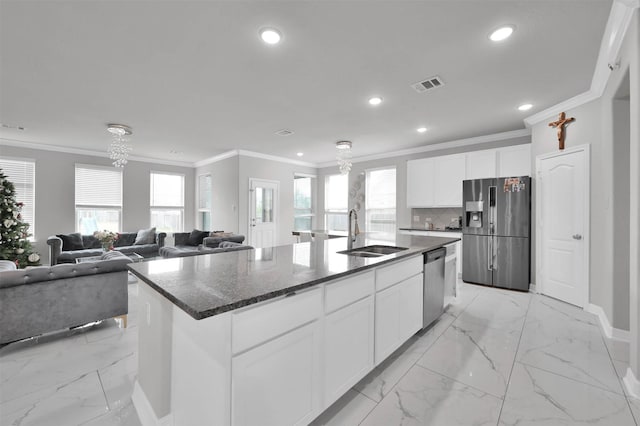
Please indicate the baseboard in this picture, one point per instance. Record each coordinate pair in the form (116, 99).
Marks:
(532, 288)
(145, 410)
(632, 384)
(605, 325)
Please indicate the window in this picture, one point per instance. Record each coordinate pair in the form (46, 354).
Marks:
(336, 203)
(303, 189)
(381, 202)
(204, 202)
(22, 173)
(167, 202)
(98, 199)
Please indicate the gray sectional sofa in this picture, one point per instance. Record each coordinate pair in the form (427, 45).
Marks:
(43, 299)
(91, 247)
(184, 251)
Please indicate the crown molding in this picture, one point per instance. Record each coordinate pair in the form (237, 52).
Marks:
(477, 140)
(275, 158)
(617, 26)
(216, 158)
(245, 153)
(81, 151)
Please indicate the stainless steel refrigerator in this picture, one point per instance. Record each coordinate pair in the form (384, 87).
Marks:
(496, 226)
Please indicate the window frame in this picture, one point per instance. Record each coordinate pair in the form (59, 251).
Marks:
(31, 203)
(336, 212)
(313, 190)
(367, 209)
(204, 210)
(102, 207)
(166, 208)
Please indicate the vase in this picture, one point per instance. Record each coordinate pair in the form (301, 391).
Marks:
(107, 246)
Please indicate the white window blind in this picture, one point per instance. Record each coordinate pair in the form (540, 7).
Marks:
(98, 199)
(22, 173)
(204, 202)
(97, 186)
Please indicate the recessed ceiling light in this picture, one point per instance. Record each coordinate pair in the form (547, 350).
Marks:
(270, 35)
(421, 129)
(376, 100)
(502, 33)
(300, 154)
(525, 107)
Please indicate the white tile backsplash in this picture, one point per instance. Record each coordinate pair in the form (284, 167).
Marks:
(440, 217)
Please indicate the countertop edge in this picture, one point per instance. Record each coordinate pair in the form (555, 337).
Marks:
(199, 315)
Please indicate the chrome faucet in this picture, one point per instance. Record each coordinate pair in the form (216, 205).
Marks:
(356, 230)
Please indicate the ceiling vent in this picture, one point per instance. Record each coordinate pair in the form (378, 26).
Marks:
(427, 85)
(284, 132)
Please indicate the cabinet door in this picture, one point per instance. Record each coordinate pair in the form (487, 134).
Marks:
(420, 183)
(514, 161)
(481, 164)
(450, 172)
(348, 348)
(398, 315)
(278, 383)
(411, 304)
(387, 322)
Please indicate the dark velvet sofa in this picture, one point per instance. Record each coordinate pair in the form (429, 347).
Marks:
(92, 247)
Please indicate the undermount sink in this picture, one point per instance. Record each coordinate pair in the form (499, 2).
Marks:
(372, 251)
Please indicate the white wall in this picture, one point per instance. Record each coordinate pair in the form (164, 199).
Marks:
(55, 192)
(224, 194)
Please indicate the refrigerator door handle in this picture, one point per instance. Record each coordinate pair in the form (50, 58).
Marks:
(494, 259)
(489, 254)
(492, 209)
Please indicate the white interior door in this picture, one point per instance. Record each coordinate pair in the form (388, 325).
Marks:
(263, 211)
(563, 224)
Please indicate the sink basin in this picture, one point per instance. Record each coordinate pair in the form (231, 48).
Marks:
(372, 251)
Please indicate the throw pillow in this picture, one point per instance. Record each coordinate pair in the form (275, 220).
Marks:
(145, 236)
(71, 241)
(220, 234)
(196, 237)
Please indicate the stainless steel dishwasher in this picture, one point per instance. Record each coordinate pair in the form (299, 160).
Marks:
(433, 286)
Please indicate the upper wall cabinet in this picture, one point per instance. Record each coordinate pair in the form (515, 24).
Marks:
(481, 164)
(421, 182)
(437, 181)
(514, 161)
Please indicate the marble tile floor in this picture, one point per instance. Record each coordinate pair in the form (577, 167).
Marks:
(495, 357)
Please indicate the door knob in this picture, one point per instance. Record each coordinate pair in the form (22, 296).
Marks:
(577, 237)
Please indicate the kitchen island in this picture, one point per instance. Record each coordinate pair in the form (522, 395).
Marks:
(272, 335)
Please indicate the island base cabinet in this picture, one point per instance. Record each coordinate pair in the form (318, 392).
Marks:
(398, 315)
(278, 383)
(348, 348)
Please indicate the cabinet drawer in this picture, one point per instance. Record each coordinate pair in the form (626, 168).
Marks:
(396, 272)
(344, 292)
(256, 325)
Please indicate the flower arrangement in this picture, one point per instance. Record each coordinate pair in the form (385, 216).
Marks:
(106, 238)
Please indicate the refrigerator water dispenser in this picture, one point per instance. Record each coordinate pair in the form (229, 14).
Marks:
(473, 210)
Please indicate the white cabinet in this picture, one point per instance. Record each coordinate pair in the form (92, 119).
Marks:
(348, 348)
(398, 315)
(514, 161)
(278, 383)
(421, 186)
(481, 164)
(435, 182)
(450, 172)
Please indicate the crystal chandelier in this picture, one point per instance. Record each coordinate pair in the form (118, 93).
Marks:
(119, 149)
(344, 156)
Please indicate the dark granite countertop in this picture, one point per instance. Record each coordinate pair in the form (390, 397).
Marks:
(432, 230)
(211, 284)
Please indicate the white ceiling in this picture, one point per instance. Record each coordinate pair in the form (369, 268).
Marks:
(194, 77)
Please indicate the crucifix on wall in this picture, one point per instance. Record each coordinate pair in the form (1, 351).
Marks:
(560, 123)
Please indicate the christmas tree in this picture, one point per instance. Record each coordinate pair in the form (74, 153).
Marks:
(14, 245)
